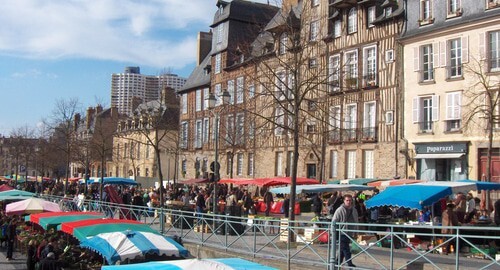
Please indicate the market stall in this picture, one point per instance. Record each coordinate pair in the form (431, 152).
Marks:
(128, 245)
(199, 264)
(53, 220)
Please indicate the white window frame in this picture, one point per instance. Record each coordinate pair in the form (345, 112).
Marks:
(352, 21)
(351, 164)
(240, 128)
(334, 158)
(250, 165)
(494, 51)
(368, 164)
(218, 63)
(389, 56)
(337, 28)
(230, 128)
(427, 57)
(251, 90)
(351, 67)
(199, 100)
(279, 119)
(370, 67)
(350, 120)
(230, 90)
(240, 84)
(184, 103)
(334, 73)
(314, 3)
(371, 12)
(218, 94)
(239, 164)
(455, 52)
(198, 134)
(184, 134)
(220, 32)
(206, 128)
(425, 11)
(369, 119)
(278, 163)
(389, 117)
(314, 31)
(453, 105)
(206, 94)
(454, 7)
(430, 112)
(283, 43)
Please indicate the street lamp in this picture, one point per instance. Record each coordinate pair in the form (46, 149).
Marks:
(211, 105)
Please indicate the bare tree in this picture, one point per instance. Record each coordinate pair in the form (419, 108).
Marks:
(22, 145)
(482, 101)
(63, 129)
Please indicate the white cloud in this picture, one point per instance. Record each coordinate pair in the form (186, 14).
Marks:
(157, 32)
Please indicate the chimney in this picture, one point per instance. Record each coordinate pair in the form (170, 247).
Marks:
(204, 46)
(90, 117)
(76, 120)
(98, 109)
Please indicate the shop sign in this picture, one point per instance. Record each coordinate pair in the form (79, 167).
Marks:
(440, 148)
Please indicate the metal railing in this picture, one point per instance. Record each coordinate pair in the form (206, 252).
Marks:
(314, 244)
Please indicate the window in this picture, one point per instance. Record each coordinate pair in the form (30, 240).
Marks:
(198, 100)
(239, 164)
(388, 12)
(313, 63)
(425, 11)
(220, 32)
(370, 66)
(230, 129)
(311, 126)
(352, 21)
(334, 73)
(283, 43)
(453, 111)
(425, 112)
(371, 15)
(337, 28)
(368, 161)
(493, 3)
(281, 89)
(494, 51)
(239, 89)
(351, 164)
(289, 163)
(389, 117)
(251, 91)
(206, 123)
(455, 56)
(351, 70)
(218, 94)
(369, 119)
(218, 63)
(184, 134)
(427, 63)
(454, 7)
(350, 122)
(251, 130)
(389, 56)
(198, 134)
(184, 103)
(334, 124)
(333, 164)
(230, 89)
(206, 94)
(184, 166)
(138, 150)
(148, 150)
(314, 3)
(279, 119)
(314, 31)
(250, 163)
(240, 129)
(278, 165)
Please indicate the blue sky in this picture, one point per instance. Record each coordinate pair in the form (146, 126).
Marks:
(55, 49)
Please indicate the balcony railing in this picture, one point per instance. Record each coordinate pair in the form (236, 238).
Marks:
(369, 134)
(349, 134)
(334, 136)
(425, 127)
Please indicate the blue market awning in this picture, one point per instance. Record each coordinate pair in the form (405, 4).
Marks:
(320, 188)
(221, 264)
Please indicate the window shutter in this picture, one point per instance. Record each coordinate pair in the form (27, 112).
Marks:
(442, 54)
(435, 108)
(465, 49)
(482, 46)
(416, 111)
(435, 55)
(416, 59)
(458, 106)
(449, 106)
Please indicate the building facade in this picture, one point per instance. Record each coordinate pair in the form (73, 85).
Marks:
(451, 73)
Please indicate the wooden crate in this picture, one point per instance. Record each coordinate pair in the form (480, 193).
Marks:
(284, 230)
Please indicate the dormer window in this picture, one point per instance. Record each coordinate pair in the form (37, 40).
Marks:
(388, 12)
(283, 43)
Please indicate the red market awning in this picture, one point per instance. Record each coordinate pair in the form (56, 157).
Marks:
(277, 181)
(35, 218)
(195, 181)
(68, 227)
(393, 182)
(5, 187)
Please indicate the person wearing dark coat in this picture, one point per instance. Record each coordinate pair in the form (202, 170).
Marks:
(31, 257)
(317, 204)
(11, 237)
(50, 262)
(286, 206)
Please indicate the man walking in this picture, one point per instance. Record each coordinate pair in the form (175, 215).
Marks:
(346, 213)
(11, 237)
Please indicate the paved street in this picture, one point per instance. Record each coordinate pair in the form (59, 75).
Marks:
(19, 261)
